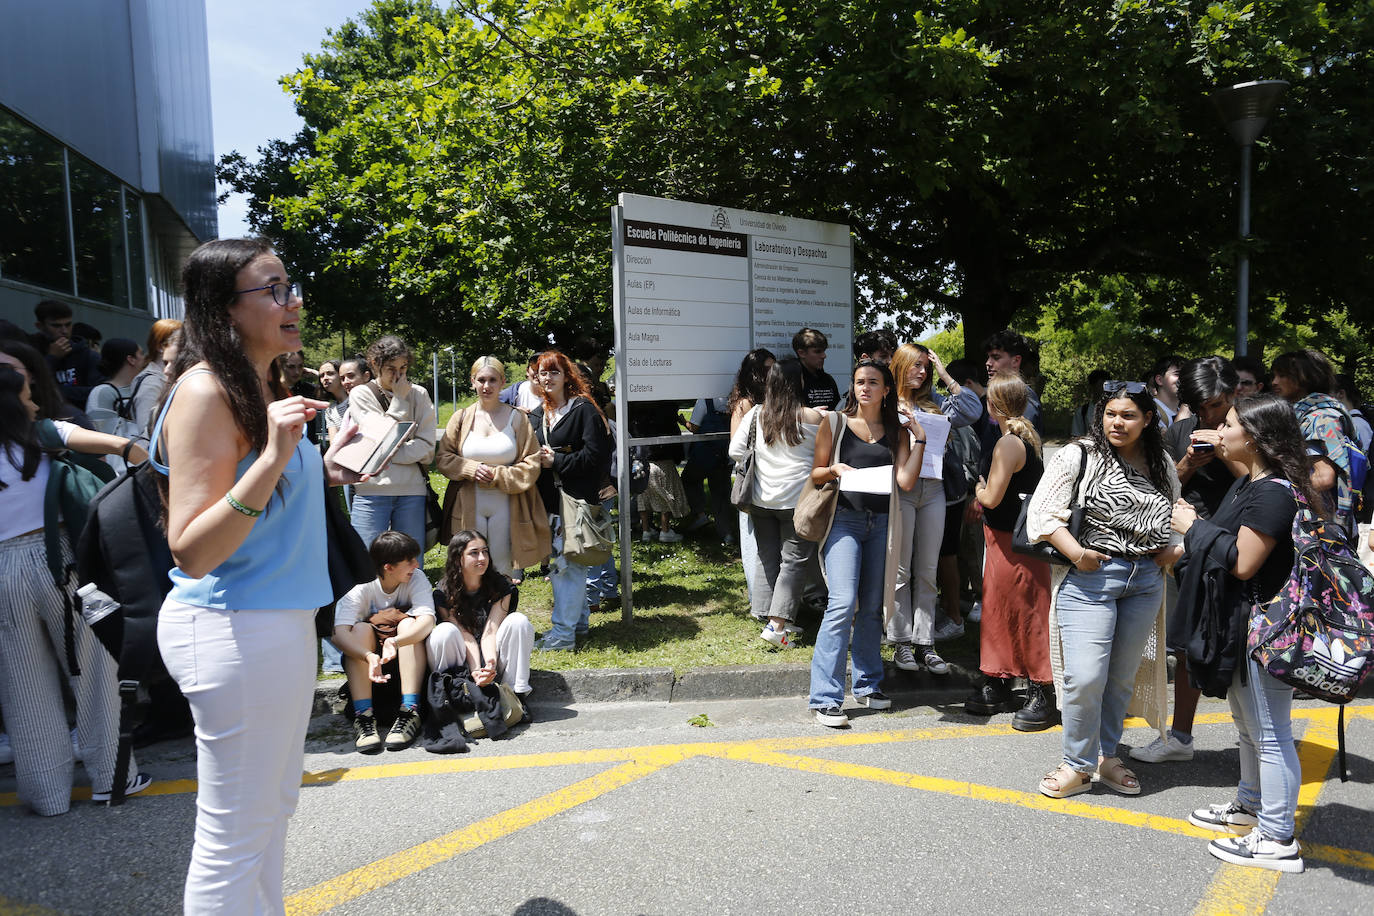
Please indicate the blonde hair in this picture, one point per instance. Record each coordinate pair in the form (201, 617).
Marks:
(903, 360)
(1009, 396)
(487, 362)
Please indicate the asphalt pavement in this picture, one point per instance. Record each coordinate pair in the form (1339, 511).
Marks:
(627, 807)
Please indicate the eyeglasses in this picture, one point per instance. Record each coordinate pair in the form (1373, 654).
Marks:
(281, 292)
(1114, 386)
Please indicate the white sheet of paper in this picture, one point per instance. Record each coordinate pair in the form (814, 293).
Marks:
(936, 426)
(867, 480)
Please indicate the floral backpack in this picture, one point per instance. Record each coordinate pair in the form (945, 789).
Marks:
(1317, 633)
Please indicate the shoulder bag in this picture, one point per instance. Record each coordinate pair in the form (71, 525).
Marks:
(1044, 550)
(816, 508)
(588, 532)
(742, 491)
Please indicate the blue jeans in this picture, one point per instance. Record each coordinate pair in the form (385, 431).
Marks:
(374, 513)
(1105, 620)
(571, 615)
(603, 581)
(854, 555)
(1270, 775)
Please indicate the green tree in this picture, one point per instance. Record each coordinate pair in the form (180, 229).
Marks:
(458, 164)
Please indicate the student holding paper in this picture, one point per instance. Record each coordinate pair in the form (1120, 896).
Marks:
(395, 498)
(859, 552)
(911, 614)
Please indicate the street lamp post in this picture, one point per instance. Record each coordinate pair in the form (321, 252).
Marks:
(1244, 109)
(453, 375)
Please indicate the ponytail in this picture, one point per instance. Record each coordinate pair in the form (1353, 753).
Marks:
(1021, 428)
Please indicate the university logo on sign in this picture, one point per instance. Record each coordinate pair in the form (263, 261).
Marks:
(719, 220)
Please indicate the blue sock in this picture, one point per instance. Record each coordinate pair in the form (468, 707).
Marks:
(410, 701)
(361, 706)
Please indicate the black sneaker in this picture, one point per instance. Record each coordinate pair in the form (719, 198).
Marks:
(404, 730)
(875, 700)
(365, 737)
(832, 717)
(135, 785)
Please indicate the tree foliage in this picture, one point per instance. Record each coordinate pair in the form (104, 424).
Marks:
(998, 160)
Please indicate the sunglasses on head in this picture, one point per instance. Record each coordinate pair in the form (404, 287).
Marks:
(1115, 386)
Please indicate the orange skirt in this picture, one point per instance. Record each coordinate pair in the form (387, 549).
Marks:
(1014, 636)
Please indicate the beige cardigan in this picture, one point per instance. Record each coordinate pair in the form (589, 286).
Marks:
(530, 539)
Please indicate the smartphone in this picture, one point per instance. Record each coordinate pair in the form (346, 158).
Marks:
(1202, 448)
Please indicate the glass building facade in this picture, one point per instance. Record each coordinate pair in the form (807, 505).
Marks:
(106, 157)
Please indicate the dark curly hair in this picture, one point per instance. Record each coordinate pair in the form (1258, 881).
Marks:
(462, 607)
(1156, 458)
(1277, 437)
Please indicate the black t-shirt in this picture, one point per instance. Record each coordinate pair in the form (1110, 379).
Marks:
(1267, 506)
(1210, 483)
(857, 453)
(441, 601)
(819, 390)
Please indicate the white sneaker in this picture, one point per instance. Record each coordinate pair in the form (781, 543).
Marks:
(6, 750)
(646, 537)
(948, 630)
(669, 537)
(1162, 749)
(1257, 850)
(1228, 818)
(780, 638)
(975, 613)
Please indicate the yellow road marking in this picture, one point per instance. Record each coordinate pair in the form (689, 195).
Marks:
(19, 908)
(337, 891)
(1238, 890)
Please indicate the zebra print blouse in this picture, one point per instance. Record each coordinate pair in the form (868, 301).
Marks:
(1124, 514)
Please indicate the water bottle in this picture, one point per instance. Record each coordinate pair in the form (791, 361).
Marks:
(95, 604)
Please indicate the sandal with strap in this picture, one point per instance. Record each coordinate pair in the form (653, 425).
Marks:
(1065, 782)
(1115, 775)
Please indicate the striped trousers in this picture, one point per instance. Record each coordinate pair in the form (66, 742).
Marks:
(33, 662)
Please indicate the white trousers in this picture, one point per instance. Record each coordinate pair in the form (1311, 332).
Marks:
(492, 521)
(514, 640)
(249, 677)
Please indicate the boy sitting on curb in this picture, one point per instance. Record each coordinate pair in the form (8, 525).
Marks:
(397, 609)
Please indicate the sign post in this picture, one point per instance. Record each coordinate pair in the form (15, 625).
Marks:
(697, 286)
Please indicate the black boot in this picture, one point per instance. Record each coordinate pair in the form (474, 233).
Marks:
(991, 698)
(1039, 713)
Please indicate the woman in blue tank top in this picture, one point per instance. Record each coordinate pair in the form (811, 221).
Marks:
(245, 511)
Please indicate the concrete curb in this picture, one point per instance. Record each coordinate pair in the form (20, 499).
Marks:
(661, 685)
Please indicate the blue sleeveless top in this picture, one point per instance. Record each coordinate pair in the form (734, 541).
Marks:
(283, 563)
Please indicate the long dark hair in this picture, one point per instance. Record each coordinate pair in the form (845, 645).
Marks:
(1277, 437)
(1156, 459)
(208, 279)
(42, 386)
(751, 381)
(463, 607)
(114, 353)
(17, 432)
(892, 422)
(782, 402)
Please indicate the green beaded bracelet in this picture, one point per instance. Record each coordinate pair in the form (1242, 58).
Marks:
(240, 507)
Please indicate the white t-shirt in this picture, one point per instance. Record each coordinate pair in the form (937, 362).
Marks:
(21, 501)
(415, 596)
(526, 399)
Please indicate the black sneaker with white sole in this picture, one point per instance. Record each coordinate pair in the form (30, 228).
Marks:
(875, 700)
(1228, 818)
(832, 717)
(1259, 851)
(135, 785)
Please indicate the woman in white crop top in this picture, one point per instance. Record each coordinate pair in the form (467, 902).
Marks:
(491, 458)
(784, 430)
(34, 618)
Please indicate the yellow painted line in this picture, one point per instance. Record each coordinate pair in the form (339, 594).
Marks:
(1237, 890)
(337, 891)
(19, 908)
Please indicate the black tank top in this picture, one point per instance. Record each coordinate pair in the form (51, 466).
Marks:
(857, 453)
(1021, 486)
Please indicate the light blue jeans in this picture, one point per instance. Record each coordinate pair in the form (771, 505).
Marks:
(1105, 620)
(374, 513)
(571, 615)
(854, 556)
(1270, 774)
